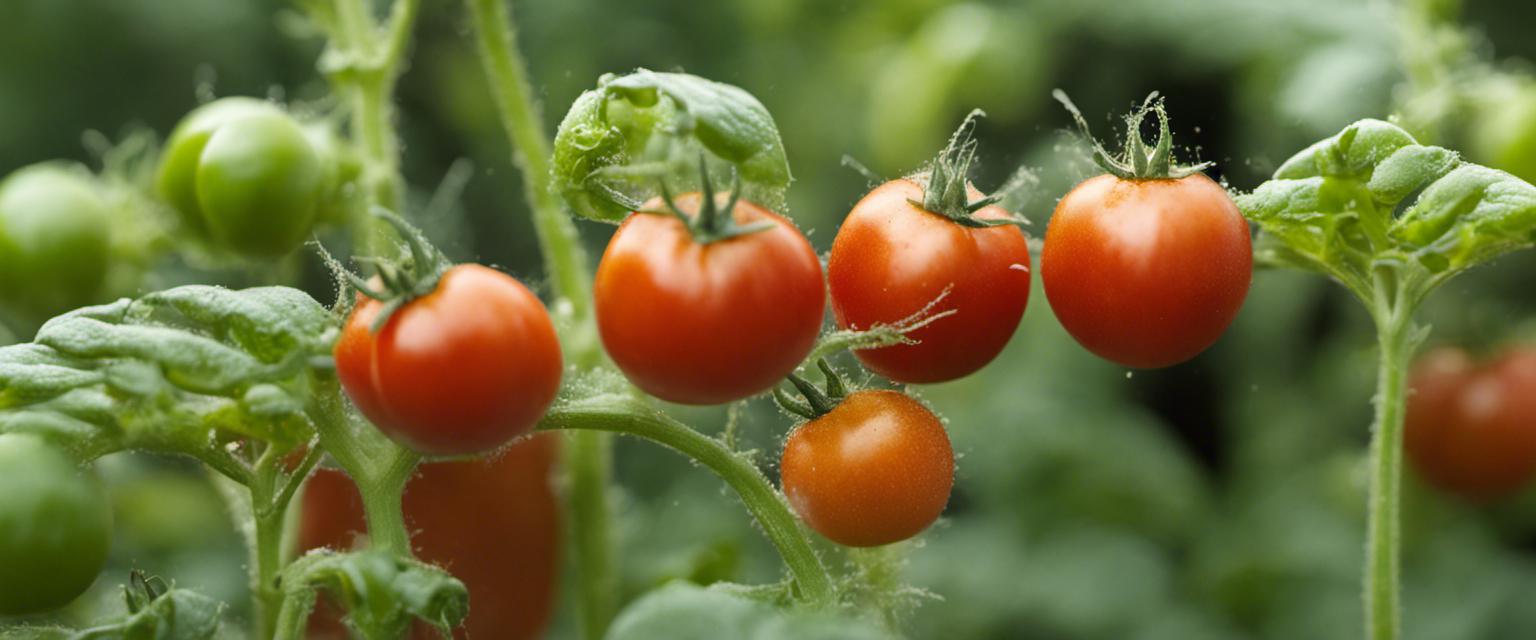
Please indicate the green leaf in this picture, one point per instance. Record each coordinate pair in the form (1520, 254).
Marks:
(619, 142)
(1471, 215)
(267, 322)
(1372, 197)
(684, 611)
(380, 592)
(177, 614)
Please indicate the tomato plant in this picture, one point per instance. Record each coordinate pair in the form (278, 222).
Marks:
(930, 245)
(54, 238)
(866, 469)
(55, 526)
(1470, 429)
(713, 304)
(1147, 265)
(461, 369)
(494, 523)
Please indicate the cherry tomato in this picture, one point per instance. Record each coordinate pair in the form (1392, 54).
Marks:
(259, 184)
(1147, 273)
(891, 259)
(708, 323)
(493, 523)
(876, 469)
(1470, 429)
(462, 370)
(177, 178)
(55, 526)
(54, 239)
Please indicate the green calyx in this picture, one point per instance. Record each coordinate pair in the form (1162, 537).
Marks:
(399, 282)
(712, 222)
(945, 184)
(1136, 161)
(816, 402)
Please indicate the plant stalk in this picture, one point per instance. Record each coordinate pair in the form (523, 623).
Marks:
(620, 414)
(1395, 336)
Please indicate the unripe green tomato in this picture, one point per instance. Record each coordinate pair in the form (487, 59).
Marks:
(55, 526)
(54, 238)
(176, 180)
(1505, 137)
(258, 184)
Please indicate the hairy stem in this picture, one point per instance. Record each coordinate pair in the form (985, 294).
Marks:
(1395, 339)
(620, 414)
(587, 455)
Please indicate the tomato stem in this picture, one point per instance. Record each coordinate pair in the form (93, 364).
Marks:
(1136, 161)
(1397, 338)
(622, 414)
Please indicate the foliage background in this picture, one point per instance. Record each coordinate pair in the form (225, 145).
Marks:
(1220, 499)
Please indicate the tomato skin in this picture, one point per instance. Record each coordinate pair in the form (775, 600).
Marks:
(55, 526)
(493, 523)
(259, 182)
(1471, 429)
(54, 238)
(891, 259)
(176, 180)
(1146, 273)
(876, 469)
(710, 323)
(462, 370)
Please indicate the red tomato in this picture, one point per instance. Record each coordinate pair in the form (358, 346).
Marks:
(493, 523)
(462, 370)
(876, 469)
(1471, 429)
(1147, 273)
(891, 259)
(708, 323)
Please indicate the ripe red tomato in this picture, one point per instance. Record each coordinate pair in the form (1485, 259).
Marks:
(708, 323)
(891, 259)
(1471, 429)
(1147, 273)
(876, 469)
(462, 370)
(493, 523)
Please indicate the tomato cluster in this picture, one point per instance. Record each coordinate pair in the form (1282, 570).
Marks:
(1470, 427)
(244, 173)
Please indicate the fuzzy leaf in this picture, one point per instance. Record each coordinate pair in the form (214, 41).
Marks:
(619, 142)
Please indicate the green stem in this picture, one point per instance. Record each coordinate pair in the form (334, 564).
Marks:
(621, 414)
(293, 618)
(587, 455)
(1395, 337)
(565, 260)
(381, 505)
(379, 467)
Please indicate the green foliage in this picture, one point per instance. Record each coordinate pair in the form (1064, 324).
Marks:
(381, 592)
(1371, 196)
(172, 371)
(622, 140)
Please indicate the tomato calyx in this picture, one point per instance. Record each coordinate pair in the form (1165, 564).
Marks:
(712, 222)
(946, 184)
(399, 282)
(1136, 161)
(817, 402)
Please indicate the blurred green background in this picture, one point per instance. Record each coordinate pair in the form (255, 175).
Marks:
(1220, 499)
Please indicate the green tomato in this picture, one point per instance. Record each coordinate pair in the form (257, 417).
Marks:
(55, 526)
(176, 180)
(259, 183)
(54, 238)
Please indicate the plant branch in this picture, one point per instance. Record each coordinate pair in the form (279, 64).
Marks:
(621, 414)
